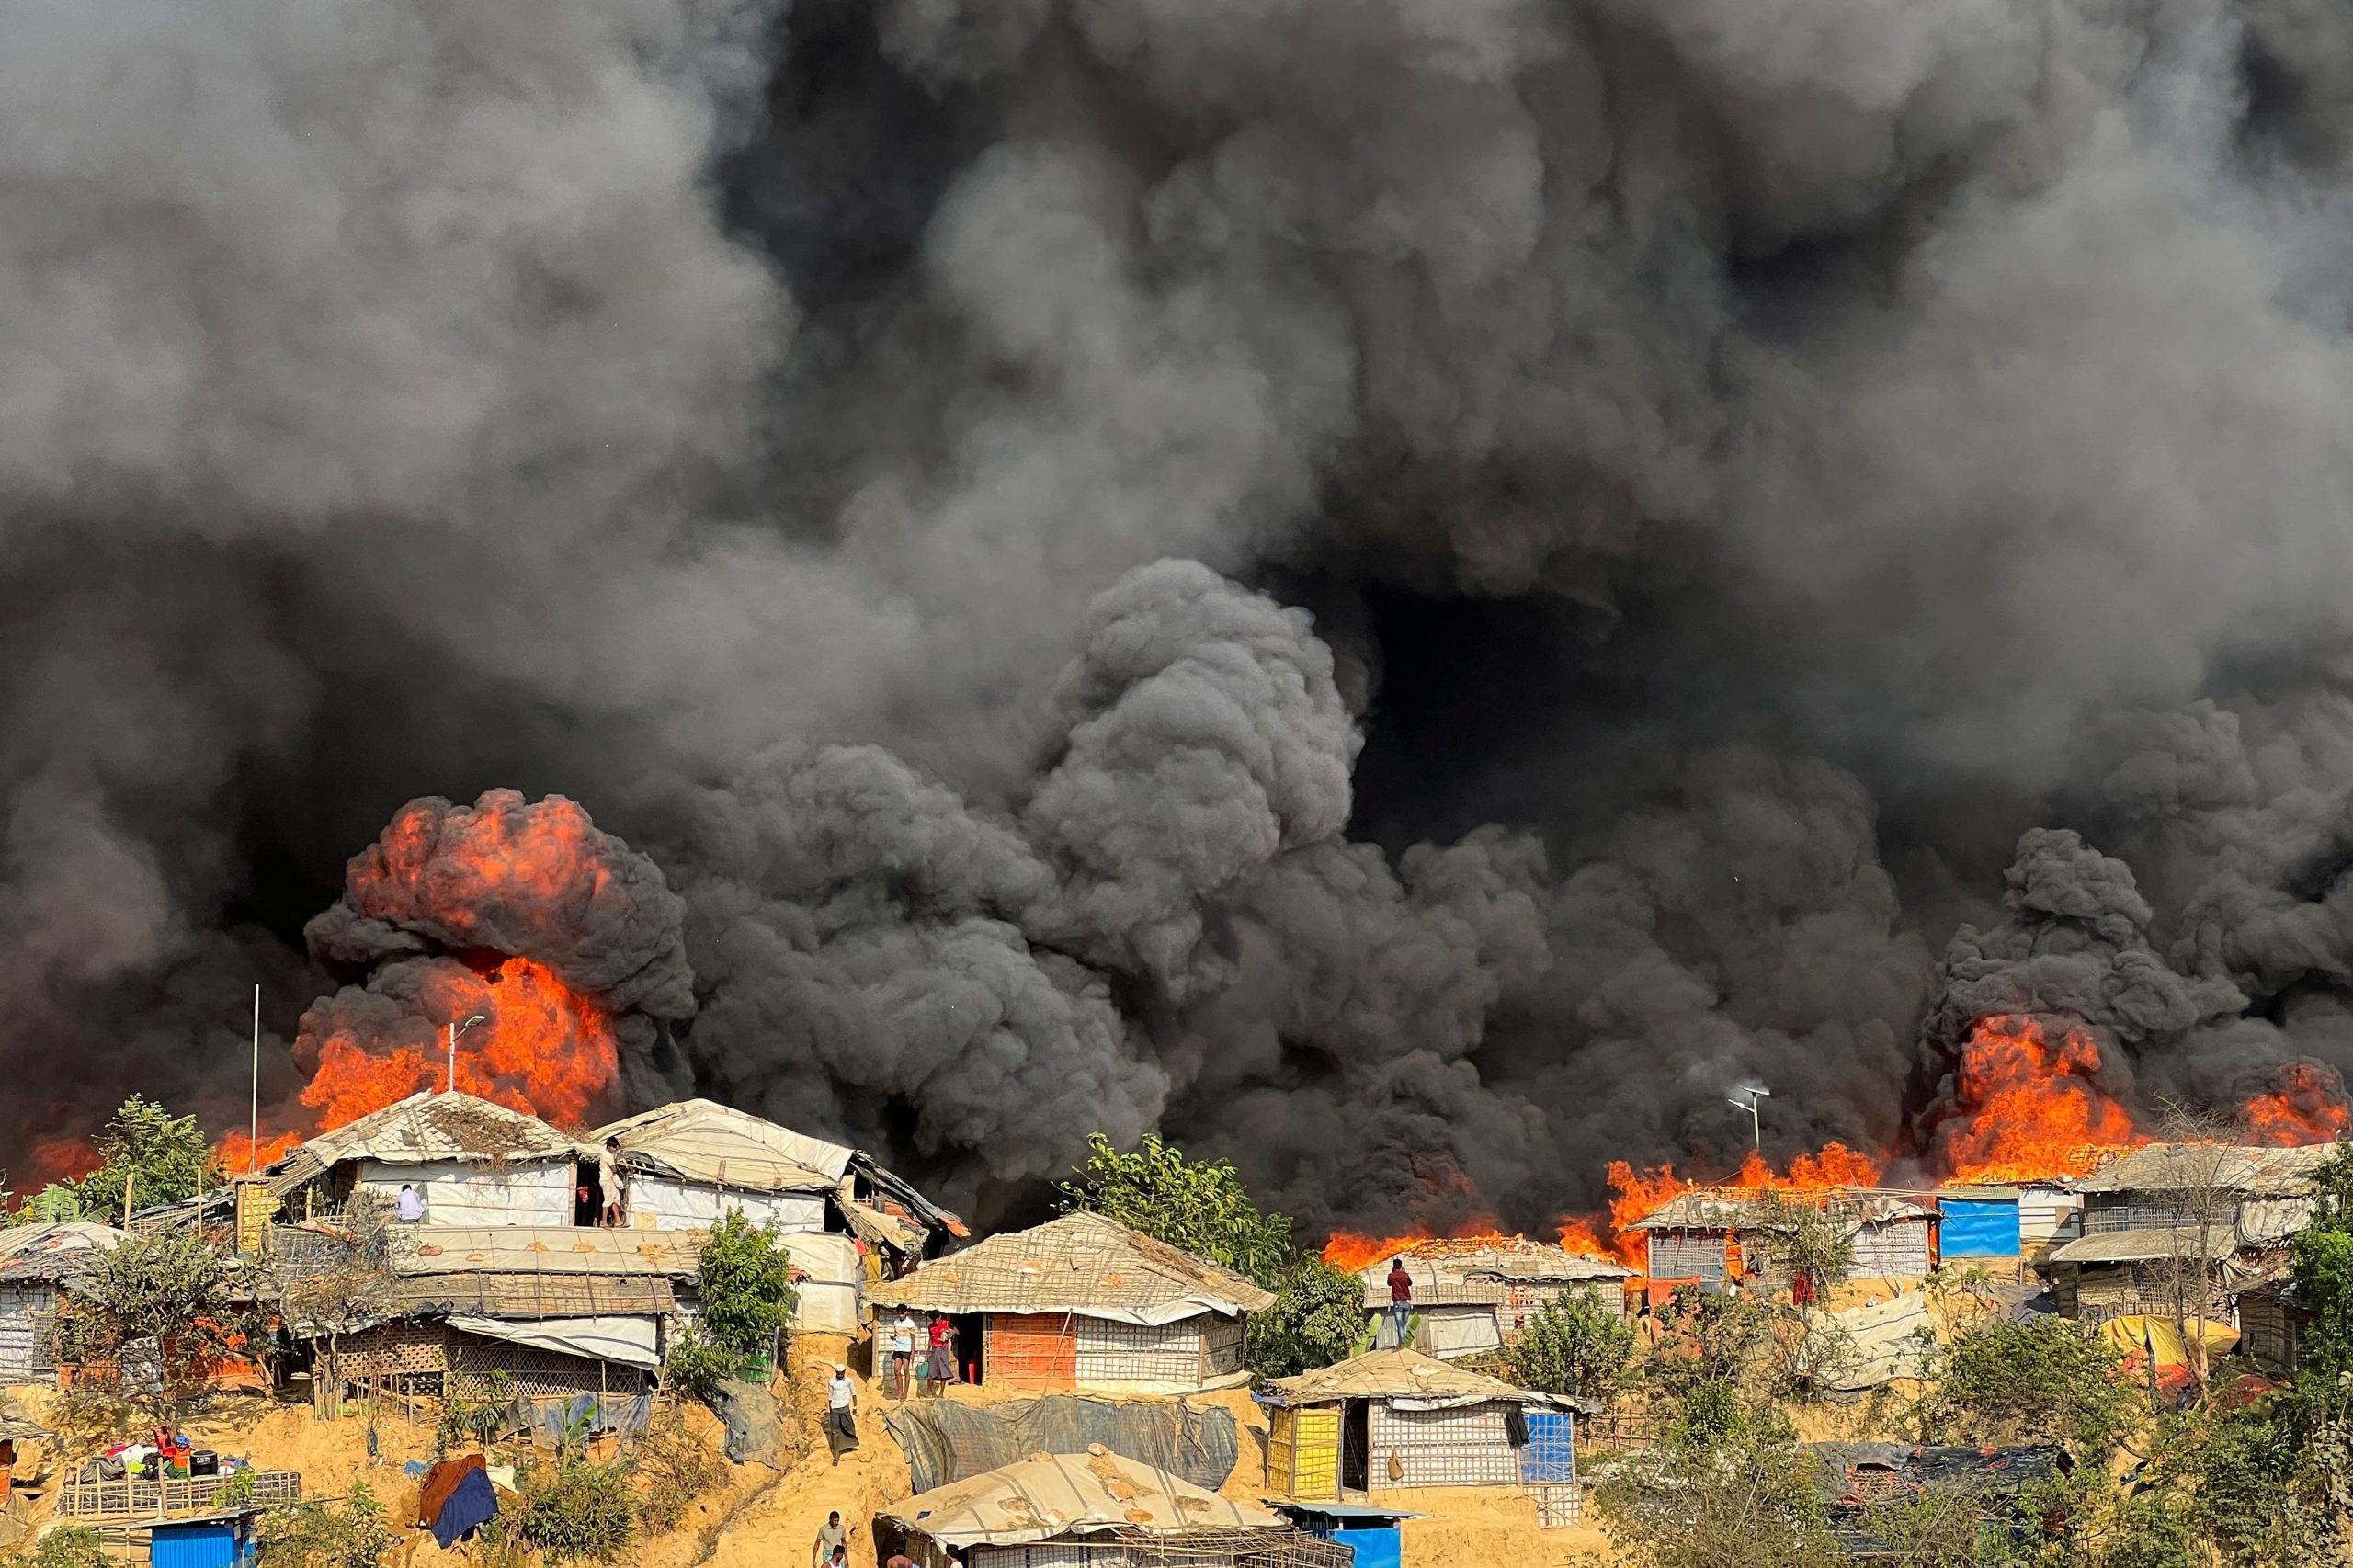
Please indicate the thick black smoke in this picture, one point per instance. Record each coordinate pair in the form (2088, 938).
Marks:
(1746, 466)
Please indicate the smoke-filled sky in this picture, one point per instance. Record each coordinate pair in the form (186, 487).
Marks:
(1404, 590)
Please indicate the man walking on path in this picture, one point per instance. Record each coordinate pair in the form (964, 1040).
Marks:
(943, 1353)
(903, 1354)
(831, 1538)
(1401, 1297)
(841, 1427)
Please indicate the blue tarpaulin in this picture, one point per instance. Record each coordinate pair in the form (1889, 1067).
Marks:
(1374, 1549)
(199, 1543)
(471, 1507)
(1550, 1454)
(1980, 1227)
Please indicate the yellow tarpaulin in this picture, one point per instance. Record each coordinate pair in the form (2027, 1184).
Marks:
(2154, 1337)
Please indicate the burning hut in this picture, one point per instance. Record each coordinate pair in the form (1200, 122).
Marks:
(1094, 1510)
(1401, 1418)
(474, 1162)
(1084, 1301)
(38, 1264)
(686, 1166)
(1717, 1237)
(2185, 1224)
(1472, 1297)
(1995, 1223)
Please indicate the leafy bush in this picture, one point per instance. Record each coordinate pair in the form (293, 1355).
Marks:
(2049, 1377)
(1197, 1207)
(1574, 1346)
(1318, 1318)
(1730, 1488)
(74, 1547)
(698, 1364)
(353, 1533)
(747, 1286)
(575, 1511)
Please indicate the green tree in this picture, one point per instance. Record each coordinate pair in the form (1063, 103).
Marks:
(2050, 1377)
(1200, 1206)
(746, 1286)
(159, 1157)
(1574, 1345)
(1729, 1487)
(1318, 1318)
(2321, 1258)
(160, 1307)
(353, 1533)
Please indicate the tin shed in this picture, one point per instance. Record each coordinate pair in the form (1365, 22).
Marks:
(1981, 1222)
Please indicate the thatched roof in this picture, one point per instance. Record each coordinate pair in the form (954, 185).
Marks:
(2185, 1167)
(1720, 1210)
(1444, 1277)
(1048, 1495)
(1080, 1263)
(702, 1140)
(47, 1254)
(1404, 1374)
(418, 1250)
(426, 1128)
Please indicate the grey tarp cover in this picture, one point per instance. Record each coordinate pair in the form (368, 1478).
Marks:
(945, 1443)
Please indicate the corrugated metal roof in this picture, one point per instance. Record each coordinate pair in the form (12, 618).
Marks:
(703, 1140)
(415, 1250)
(1402, 1374)
(423, 1127)
(1719, 1210)
(2145, 1245)
(2175, 1167)
(1072, 1264)
(1048, 1495)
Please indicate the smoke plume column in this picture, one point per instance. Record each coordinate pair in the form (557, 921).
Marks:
(569, 944)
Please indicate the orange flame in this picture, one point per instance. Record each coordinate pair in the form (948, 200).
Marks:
(545, 1051)
(59, 1156)
(2032, 1109)
(2308, 1107)
(452, 864)
(1640, 1193)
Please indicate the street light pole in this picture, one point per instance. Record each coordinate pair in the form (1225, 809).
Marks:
(1754, 1106)
(455, 1030)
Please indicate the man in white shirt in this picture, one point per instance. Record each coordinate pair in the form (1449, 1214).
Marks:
(903, 1352)
(841, 1399)
(409, 1207)
(608, 1184)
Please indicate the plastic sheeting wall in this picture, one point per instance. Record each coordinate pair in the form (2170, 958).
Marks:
(660, 1204)
(1303, 1451)
(20, 1329)
(1383, 1548)
(1468, 1447)
(2048, 1219)
(831, 1298)
(947, 1441)
(1030, 1350)
(1895, 1249)
(1449, 1333)
(1980, 1227)
(1551, 1455)
(460, 1194)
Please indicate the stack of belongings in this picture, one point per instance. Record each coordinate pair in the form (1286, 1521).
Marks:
(456, 1500)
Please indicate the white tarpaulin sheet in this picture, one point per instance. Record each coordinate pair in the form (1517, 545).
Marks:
(831, 1296)
(659, 1203)
(629, 1341)
(1447, 1333)
(1886, 1340)
(457, 1194)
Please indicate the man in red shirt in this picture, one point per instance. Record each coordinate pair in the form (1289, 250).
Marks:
(1400, 1296)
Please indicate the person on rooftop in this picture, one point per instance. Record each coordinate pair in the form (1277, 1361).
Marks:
(1401, 1297)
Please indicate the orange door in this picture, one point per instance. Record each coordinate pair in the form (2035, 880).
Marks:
(1031, 1350)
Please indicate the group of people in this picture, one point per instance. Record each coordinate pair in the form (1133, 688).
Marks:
(833, 1548)
(939, 1369)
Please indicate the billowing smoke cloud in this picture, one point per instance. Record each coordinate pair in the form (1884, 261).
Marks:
(1407, 590)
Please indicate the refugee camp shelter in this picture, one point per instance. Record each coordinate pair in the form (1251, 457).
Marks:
(1373, 1534)
(37, 1265)
(2271, 1323)
(1094, 1510)
(555, 1314)
(1717, 1236)
(2150, 1216)
(685, 1166)
(476, 1162)
(1400, 1418)
(1475, 1297)
(1084, 1301)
